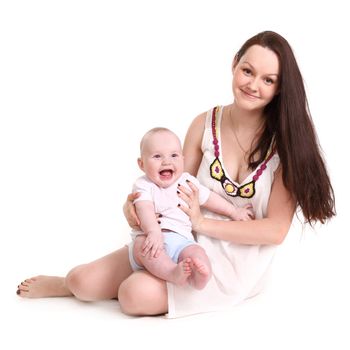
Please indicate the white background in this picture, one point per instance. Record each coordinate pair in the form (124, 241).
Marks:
(80, 82)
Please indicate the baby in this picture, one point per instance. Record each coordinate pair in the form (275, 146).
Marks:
(166, 247)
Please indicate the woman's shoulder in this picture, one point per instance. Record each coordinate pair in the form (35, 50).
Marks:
(200, 125)
(201, 121)
(197, 126)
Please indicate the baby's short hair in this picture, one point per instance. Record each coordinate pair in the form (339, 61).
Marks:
(153, 131)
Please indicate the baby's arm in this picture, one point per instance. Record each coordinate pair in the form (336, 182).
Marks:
(150, 227)
(219, 205)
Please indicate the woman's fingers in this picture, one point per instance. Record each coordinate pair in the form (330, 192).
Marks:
(130, 212)
(133, 196)
(184, 192)
(191, 205)
(191, 191)
(193, 188)
(188, 195)
(185, 209)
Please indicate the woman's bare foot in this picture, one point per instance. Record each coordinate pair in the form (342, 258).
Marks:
(43, 286)
(182, 272)
(200, 274)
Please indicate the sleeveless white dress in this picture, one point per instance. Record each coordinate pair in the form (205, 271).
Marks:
(238, 270)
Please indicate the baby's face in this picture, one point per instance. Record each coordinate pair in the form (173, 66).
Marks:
(161, 158)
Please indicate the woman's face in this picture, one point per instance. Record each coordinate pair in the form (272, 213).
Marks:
(255, 78)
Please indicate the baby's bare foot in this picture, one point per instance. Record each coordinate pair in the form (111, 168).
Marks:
(200, 273)
(43, 286)
(182, 272)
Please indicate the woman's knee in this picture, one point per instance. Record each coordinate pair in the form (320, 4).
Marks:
(79, 282)
(143, 294)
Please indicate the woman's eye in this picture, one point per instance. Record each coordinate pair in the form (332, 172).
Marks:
(269, 81)
(247, 71)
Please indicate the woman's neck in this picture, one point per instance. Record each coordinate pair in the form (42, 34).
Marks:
(243, 119)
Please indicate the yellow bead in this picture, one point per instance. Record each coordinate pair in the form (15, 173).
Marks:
(229, 188)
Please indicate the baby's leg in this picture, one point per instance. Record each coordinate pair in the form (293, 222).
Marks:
(200, 265)
(162, 266)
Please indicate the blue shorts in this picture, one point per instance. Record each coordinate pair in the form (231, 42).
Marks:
(174, 244)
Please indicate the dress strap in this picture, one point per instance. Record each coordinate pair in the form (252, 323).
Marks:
(214, 131)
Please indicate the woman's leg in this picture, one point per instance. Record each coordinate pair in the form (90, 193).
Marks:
(97, 280)
(143, 294)
(43, 286)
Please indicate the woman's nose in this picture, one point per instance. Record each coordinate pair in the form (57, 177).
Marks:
(253, 84)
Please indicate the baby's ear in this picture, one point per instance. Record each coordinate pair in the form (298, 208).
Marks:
(140, 163)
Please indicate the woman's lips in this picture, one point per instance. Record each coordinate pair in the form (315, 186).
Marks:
(248, 95)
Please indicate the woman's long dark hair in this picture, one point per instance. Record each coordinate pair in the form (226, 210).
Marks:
(288, 119)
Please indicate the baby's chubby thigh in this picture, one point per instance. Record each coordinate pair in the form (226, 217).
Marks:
(138, 243)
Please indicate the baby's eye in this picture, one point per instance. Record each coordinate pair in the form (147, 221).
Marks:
(174, 155)
(157, 156)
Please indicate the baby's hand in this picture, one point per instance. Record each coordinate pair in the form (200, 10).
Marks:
(243, 214)
(153, 244)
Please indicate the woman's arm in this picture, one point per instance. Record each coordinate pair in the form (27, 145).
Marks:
(219, 205)
(192, 148)
(269, 230)
(130, 212)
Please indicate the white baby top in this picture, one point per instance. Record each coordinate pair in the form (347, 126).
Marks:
(238, 270)
(166, 200)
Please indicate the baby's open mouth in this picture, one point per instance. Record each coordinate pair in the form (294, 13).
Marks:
(166, 173)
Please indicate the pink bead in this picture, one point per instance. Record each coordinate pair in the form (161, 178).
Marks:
(259, 172)
(255, 177)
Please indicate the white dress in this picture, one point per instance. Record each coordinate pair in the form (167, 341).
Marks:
(238, 270)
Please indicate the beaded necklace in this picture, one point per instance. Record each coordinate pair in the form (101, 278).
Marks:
(217, 172)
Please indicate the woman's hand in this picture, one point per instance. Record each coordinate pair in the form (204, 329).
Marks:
(190, 197)
(130, 212)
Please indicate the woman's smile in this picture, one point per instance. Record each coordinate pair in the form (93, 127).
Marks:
(249, 96)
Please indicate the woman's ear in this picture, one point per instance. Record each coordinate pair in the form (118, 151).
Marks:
(235, 62)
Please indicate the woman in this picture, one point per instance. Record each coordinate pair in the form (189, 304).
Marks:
(260, 150)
